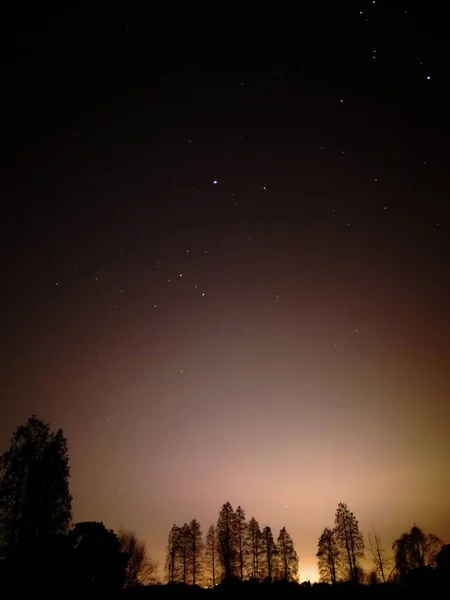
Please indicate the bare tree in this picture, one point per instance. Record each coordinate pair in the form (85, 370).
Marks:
(140, 569)
(210, 552)
(350, 539)
(254, 547)
(328, 556)
(185, 549)
(195, 549)
(240, 527)
(172, 565)
(382, 564)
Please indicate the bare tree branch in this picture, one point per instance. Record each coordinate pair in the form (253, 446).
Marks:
(381, 562)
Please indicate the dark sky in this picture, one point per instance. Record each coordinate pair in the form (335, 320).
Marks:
(225, 263)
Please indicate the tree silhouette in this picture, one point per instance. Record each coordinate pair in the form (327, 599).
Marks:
(211, 552)
(442, 561)
(140, 569)
(240, 532)
(270, 551)
(350, 539)
(226, 540)
(373, 577)
(35, 502)
(100, 565)
(254, 547)
(287, 556)
(184, 545)
(414, 550)
(172, 564)
(382, 564)
(328, 556)
(196, 547)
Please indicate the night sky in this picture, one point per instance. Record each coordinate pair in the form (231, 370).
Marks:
(225, 263)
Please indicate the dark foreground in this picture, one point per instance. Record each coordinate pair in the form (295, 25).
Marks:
(244, 590)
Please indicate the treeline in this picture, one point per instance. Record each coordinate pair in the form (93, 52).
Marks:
(234, 549)
(416, 556)
(42, 549)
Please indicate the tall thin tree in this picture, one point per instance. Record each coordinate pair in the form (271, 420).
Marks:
(211, 553)
(185, 551)
(328, 556)
(270, 551)
(254, 547)
(240, 527)
(226, 540)
(172, 565)
(288, 557)
(196, 547)
(350, 539)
